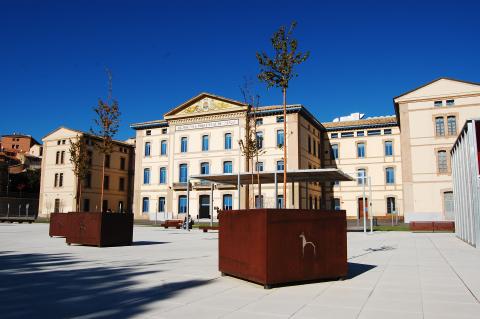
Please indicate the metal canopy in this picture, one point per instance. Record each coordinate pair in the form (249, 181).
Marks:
(304, 175)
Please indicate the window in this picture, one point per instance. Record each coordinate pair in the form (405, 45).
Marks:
(147, 149)
(56, 209)
(146, 176)
(259, 139)
(318, 147)
(145, 205)
(107, 161)
(439, 126)
(204, 168)
(60, 180)
(259, 122)
(347, 134)
(106, 182)
(309, 144)
(280, 201)
(105, 205)
(361, 176)
(280, 119)
(361, 150)
(334, 152)
(161, 204)
(183, 145)
(361, 133)
(336, 204)
(390, 175)
(227, 202)
(280, 166)
(281, 140)
(388, 148)
(438, 103)
(259, 167)
(57, 159)
(387, 131)
(183, 173)
(374, 132)
(86, 205)
(62, 157)
(452, 125)
(163, 147)
(258, 201)
(122, 163)
(164, 131)
(450, 102)
(55, 182)
(314, 148)
(63, 142)
(334, 135)
(182, 204)
(148, 132)
(391, 205)
(121, 184)
(58, 142)
(90, 157)
(227, 167)
(88, 180)
(205, 143)
(442, 162)
(163, 175)
(228, 141)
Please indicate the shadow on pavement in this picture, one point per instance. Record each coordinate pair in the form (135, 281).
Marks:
(147, 243)
(355, 269)
(57, 286)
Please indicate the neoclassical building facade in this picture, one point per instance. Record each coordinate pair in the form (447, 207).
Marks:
(202, 136)
(59, 185)
(405, 156)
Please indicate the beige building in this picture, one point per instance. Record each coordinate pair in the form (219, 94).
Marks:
(367, 148)
(430, 119)
(201, 136)
(58, 188)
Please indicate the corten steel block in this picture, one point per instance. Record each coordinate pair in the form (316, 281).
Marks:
(276, 246)
(100, 229)
(421, 226)
(58, 224)
(444, 226)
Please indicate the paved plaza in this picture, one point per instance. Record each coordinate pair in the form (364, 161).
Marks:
(173, 274)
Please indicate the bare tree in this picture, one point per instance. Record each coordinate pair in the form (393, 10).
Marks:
(250, 147)
(277, 71)
(79, 159)
(107, 123)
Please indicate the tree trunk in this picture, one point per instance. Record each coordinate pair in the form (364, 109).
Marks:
(247, 163)
(103, 183)
(284, 148)
(79, 195)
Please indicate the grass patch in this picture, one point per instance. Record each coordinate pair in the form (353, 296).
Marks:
(402, 227)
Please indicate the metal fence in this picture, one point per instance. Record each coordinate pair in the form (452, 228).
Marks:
(18, 208)
(466, 183)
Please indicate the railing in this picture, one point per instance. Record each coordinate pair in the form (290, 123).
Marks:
(18, 208)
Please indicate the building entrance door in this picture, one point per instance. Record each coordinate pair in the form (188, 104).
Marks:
(360, 207)
(448, 205)
(204, 206)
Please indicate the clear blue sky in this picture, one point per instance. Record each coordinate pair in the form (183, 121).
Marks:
(161, 53)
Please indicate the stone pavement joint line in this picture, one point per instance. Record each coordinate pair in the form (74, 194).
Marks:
(174, 274)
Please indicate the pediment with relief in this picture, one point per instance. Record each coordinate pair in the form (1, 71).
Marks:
(205, 104)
